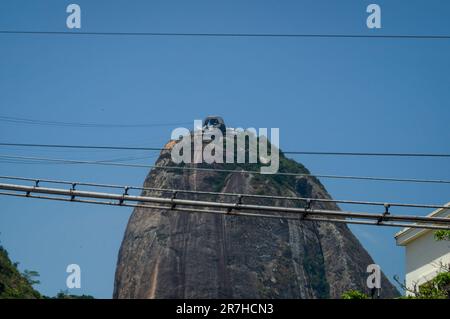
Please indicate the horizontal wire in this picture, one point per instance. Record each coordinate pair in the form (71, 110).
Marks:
(19, 120)
(243, 195)
(369, 154)
(230, 35)
(110, 160)
(133, 148)
(344, 177)
(126, 148)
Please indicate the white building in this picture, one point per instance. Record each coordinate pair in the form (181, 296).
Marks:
(424, 255)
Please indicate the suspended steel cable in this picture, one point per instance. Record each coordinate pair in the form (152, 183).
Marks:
(368, 154)
(39, 181)
(136, 148)
(232, 213)
(124, 148)
(231, 171)
(52, 163)
(300, 213)
(18, 120)
(229, 35)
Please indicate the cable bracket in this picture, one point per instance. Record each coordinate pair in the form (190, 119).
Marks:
(236, 205)
(307, 209)
(72, 197)
(386, 213)
(125, 193)
(174, 196)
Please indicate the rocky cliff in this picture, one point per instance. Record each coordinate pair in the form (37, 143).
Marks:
(175, 254)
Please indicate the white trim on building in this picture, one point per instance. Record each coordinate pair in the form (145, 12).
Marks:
(424, 255)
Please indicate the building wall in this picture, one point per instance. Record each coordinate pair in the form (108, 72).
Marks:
(424, 256)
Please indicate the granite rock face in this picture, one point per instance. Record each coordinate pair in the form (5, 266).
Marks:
(176, 254)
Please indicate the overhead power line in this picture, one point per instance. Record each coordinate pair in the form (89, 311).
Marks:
(309, 214)
(94, 147)
(113, 160)
(369, 154)
(18, 120)
(231, 171)
(231, 35)
(40, 181)
(135, 148)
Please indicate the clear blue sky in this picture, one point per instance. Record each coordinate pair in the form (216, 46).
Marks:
(324, 94)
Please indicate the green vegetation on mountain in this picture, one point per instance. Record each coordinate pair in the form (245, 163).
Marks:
(13, 283)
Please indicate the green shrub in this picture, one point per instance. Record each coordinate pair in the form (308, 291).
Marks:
(354, 294)
(442, 235)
